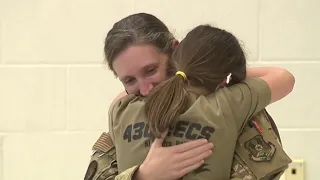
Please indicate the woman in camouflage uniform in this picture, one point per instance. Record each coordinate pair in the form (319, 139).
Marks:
(149, 64)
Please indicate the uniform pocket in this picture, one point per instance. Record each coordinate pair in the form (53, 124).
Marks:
(261, 152)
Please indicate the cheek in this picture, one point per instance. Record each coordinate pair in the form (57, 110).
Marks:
(130, 89)
(156, 78)
(163, 72)
(161, 75)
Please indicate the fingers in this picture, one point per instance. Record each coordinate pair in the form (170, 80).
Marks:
(193, 163)
(193, 160)
(196, 151)
(158, 141)
(190, 168)
(164, 134)
(188, 145)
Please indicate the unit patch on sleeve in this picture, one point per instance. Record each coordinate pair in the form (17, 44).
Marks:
(260, 150)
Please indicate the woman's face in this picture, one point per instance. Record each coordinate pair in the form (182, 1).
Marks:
(140, 68)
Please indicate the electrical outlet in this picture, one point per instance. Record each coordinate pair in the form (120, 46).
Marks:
(296, 170)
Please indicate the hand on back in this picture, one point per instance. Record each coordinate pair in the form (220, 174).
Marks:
(171, 163)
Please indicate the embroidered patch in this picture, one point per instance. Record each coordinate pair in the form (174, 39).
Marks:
(104, 143)
(91, 170)
(260, 150)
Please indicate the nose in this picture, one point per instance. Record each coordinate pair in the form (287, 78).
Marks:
(145, 89)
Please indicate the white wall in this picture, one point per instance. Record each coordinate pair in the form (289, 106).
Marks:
(54, 90)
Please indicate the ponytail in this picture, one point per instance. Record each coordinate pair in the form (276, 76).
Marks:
(165, 103)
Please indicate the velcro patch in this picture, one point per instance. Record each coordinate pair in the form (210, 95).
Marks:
(104, 143)
(92, 169)
(260, 150)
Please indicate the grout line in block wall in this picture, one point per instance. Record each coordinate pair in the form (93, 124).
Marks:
(285, 61)
(104, 130)
(66, 98)
(51, 132)
(53, 65)
(2, 41)
(101, 130)
(261, 61)
(1, 157)
(5, 133)
(292, 59)
(68, 131)
(299, 129)
(77, 131)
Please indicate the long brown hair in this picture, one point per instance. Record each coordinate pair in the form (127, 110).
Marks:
(206, 55)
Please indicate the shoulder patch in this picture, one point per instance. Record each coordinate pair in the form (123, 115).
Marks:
(260, 150)
(104, 143)
(92, 169)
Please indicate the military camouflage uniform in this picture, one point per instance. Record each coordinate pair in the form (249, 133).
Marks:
(103, 165)
(258, 154)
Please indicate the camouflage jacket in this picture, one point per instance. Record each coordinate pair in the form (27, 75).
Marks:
(260, 160)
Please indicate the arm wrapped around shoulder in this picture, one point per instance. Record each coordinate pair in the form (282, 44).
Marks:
(279, 80)
(248, 97)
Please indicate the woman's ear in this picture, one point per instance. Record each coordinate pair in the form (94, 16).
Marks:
(175, 44)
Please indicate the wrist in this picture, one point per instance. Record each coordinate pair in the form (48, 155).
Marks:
(141, 173)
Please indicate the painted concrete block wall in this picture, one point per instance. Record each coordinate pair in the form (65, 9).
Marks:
(55, 90)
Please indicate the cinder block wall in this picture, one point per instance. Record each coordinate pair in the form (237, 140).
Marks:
(55, 91)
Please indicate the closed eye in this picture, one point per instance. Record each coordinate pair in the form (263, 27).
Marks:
(129, 81)
(151, 71)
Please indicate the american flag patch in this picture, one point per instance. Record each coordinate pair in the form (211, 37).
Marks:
(104, 143)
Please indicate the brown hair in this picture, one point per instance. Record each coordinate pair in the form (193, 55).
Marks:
(206, 55)
(140, 28)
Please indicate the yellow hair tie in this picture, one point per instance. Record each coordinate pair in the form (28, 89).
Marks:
(182, 74)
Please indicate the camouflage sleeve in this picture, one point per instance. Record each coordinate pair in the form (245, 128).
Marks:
(240, 171)
(127, 174)
(259, 154)
(103, 164)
